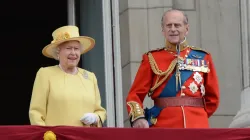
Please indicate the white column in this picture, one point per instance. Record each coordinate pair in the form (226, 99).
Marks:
(108, 60)
(71, 12)
(242, 118)
(117, 64)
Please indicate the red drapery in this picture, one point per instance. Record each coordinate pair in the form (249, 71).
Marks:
(79, 133)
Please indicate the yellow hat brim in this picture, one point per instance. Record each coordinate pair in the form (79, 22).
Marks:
(86, 42)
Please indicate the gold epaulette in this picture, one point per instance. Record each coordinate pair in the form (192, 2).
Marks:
(198, 49)
(155, 50)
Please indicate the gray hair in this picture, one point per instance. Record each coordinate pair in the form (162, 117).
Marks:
(185, 21)
(55, 52)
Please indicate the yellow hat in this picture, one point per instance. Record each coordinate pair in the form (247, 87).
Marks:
(68, 33)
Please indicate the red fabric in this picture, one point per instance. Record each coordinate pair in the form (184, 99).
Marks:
(172, 117)
(80, 133)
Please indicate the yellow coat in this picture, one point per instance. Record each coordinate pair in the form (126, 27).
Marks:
(59, 98)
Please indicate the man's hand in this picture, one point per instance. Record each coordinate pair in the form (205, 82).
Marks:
(140, 123)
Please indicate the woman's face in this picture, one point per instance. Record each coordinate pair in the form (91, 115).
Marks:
(69, 54)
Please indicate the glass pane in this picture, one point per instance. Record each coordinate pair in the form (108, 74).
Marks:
(89, 20)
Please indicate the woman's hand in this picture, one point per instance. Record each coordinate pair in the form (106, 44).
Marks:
(89, 118)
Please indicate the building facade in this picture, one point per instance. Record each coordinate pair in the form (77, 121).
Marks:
(130, 28)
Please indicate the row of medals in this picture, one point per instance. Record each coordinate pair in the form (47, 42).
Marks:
(193, 65)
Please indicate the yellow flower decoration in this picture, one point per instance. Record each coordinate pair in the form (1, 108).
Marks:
(49, 135)
(62, 36)
(66, 35)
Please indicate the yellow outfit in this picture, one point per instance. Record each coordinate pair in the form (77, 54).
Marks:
(59, 98)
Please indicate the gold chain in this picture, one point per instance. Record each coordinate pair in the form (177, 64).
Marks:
(166, 73)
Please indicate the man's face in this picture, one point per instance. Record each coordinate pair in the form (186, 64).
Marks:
(69, 54)
(173, 27)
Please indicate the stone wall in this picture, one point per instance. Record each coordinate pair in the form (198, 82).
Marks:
(214, 26)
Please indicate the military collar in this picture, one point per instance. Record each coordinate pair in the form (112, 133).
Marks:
(173, 47)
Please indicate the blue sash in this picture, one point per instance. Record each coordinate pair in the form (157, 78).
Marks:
(170, 88)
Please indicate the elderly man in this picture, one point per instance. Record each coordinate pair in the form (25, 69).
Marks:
(181, 79)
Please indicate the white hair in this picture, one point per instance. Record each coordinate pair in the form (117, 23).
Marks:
(55, 52)
(185, 21)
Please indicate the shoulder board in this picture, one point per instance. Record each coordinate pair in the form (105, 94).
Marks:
(198, 49)
(155, 50)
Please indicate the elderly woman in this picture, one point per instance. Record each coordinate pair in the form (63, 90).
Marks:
(66, 94)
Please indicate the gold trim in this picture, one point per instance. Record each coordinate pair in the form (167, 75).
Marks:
(160, 73)
(135, 110)
(197, 48)
(173, 47)
(155, 50)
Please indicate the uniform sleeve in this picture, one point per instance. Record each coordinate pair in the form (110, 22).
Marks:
(37, 110)
(99, 110)
(212, 95)
(139, 90)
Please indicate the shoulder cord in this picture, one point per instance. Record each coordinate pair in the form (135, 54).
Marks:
(159, 73)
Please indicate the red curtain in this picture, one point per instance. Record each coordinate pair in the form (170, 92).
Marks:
(79, 133)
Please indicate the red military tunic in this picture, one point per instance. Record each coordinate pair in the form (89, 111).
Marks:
(206, 85)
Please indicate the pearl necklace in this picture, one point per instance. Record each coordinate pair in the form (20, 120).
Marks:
(76, 70)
